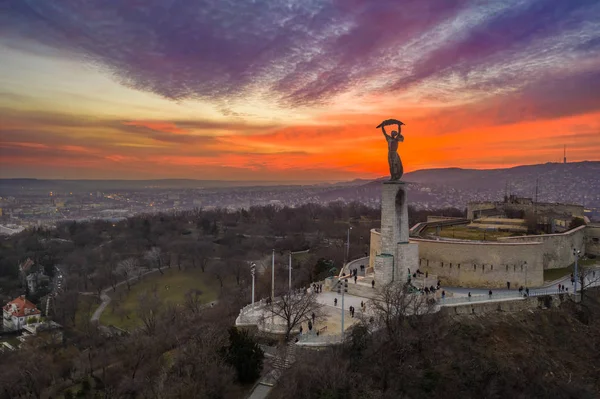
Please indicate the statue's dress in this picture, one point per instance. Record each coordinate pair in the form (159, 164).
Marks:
(396, 169)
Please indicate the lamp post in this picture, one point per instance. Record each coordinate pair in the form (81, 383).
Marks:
(525, 264)
(290, 273)
(273, 277)
(348, 245)
(253, 272)
(342, 287)
(576, 253)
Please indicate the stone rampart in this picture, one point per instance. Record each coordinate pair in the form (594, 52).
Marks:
(483, 264)
(592, 240)
(557, 248)
(474, 209)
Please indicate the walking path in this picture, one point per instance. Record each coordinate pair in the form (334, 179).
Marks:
(106, 299)
(548, 288)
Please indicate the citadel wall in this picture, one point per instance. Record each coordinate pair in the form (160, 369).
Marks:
(592, 240)
(484, 264)
(540, 207)
(557, 248)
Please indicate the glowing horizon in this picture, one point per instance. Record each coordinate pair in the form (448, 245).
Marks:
(284, 90)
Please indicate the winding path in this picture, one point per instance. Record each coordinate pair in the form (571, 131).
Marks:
(105, 298)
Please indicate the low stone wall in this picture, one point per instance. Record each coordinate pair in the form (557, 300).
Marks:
(516, 305)
(557, 248)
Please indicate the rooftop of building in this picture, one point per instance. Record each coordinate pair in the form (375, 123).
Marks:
(20, 307)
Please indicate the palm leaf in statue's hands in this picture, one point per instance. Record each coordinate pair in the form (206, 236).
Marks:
(388, 122)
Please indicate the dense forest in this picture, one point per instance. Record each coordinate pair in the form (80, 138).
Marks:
(177, 349)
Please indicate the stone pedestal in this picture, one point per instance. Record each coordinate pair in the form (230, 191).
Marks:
(397, 254)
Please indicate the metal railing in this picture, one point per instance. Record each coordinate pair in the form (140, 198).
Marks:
(313, 338)
(502, 296)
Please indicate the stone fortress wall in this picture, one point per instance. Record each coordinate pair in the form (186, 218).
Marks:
(493, 263)
(482, 264)
(592, 240)
(557, 248)
(524, 204)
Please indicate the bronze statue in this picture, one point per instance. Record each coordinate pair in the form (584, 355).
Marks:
(394, 161)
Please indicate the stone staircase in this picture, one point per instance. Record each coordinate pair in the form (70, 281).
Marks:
(361, 288)
(286, 357)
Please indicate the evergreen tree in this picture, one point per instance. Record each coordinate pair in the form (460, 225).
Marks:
(244, 355)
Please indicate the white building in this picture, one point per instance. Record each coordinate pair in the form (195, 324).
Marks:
(34, 280)
(18, 312)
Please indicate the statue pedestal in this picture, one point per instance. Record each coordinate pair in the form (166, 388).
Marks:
(397, 254)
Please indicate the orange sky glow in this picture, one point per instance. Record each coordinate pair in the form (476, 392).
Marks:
(474, 87)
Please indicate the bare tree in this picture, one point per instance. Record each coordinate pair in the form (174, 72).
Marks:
(128, 268)
(589, 276)
(394, 308)
(218, 269)
(294, 307)
(148, 310)
(193, 301)
(155, 258)
(402, 326)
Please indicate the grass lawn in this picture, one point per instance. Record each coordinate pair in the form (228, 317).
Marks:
(171, 288)
(13, 340)
(463, 233)
(86, 305)
(555, 274)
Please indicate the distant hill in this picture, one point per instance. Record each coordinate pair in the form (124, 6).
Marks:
(498, 178)
(9, 185)
(577, 182)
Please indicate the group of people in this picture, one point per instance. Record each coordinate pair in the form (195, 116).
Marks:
(419, 273)
(317, 288)
(354, 274)
(562, 288)
(310, 324)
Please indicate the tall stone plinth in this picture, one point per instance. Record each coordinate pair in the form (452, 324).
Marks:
(395, 267)
(398, 256)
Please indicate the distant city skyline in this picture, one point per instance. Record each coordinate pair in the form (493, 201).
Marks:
(293, 90)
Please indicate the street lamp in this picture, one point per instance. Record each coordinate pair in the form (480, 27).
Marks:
(576, 253)
(342, 287)
(525, 264)
(273, 277)
(290, 273)
(348, 245)
(253, 272)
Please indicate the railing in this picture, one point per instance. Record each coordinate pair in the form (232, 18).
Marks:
(314, 339)
(500, 296)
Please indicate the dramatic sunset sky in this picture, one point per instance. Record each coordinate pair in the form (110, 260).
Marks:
(293, 89)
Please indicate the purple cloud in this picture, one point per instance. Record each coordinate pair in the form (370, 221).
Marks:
(301, 51)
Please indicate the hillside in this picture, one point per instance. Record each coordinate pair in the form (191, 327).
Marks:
(543, 353)
(518, 178)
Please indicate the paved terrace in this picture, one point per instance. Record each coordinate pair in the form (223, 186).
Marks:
(330, 327)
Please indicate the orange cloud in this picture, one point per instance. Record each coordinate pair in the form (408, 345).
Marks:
(166, 127)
